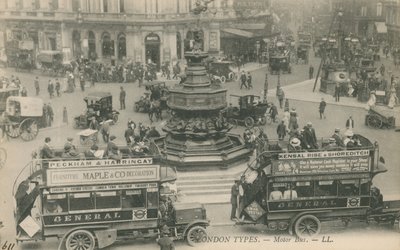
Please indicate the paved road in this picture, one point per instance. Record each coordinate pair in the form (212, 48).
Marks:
(19, 152)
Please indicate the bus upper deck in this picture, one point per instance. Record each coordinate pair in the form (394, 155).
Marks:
(282, 186)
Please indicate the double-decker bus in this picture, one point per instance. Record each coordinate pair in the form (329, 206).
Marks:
(91, 203)
(296, 191)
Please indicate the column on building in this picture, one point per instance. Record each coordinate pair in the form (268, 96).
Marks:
(130, 43)
(169, 45)
(99, 45)
(44, 4)
(85, 42)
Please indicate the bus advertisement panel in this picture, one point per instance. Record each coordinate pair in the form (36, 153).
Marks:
(321, 162)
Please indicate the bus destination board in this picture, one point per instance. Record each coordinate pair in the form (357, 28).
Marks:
(321, 162)
(85, 176)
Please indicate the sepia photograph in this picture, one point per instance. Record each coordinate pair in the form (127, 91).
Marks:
(199, 124)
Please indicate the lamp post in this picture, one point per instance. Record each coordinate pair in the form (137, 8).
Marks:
(266, 88)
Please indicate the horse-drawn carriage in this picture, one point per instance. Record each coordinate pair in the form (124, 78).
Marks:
(24, 61)
(156, 94)
(23, 116)
(250, 111)
(99, 105)
(380, 116)
(302, 53)
(51, 62)
(279, 63)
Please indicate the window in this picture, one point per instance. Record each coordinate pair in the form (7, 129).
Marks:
(81, 201)
(53, 4)
(133, 198)
(105, 6)
(304, 189)
(121, 6)
(76, 5)
(349, 187)
(55, 203)
(364, 11)
(379, 9)
(152, 198)
(325, 188)
(108, 200)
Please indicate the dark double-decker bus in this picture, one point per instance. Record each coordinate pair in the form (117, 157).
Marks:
(92, 203)
(296, 191)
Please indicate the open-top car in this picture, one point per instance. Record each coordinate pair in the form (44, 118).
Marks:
(248, 111)
(99, 105)
(223, 70)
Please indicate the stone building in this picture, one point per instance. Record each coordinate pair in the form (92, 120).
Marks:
(392, 9)
(140, 30)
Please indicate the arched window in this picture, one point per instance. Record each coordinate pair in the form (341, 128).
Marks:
(107, 45)
(121, 46)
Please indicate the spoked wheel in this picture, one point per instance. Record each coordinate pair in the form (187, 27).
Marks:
(223, 79)
(262, 121)
(3, 157)
(196, 235)
(249, 122)
(307, 226)
(374, 121)
(13, 130)
(80, 240)
(233, 122)
(28, 129)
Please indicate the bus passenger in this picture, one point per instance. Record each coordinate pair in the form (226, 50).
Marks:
(47, 152)
(69, 152)
(275, 194)
(290, 193)
(332, 146)
(52, 207)
(115, 154)
(90, 154)
(294, 145)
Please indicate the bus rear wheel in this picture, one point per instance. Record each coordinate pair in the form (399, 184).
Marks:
(80, 240)
(307, 226)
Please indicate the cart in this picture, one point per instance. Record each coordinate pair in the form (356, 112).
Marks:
(88, 137)
(383, 117)
(22, 117)
(51, 62)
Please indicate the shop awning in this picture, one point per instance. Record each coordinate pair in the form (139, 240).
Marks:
(239, 32)
(381, 27)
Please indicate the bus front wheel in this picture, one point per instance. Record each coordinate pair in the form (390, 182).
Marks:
(196, 235)
(307, 226)
(80, 240)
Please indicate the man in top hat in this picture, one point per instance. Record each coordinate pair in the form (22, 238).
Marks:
(91, 153)
(165, 242)
(309, 137)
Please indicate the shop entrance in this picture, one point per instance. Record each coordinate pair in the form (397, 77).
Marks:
(152, 45)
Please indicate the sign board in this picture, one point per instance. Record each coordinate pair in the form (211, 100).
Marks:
(347, 202)
(101, 175)
(213, 41)
(102, 187)
(153, 38)
(98, 163)
(321, 162)
(254, 210)
(80, 218)
(250, 4)
(26, 44)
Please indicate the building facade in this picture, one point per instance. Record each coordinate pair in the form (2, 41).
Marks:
(139, 30)
(365, 18)
(392, 9)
